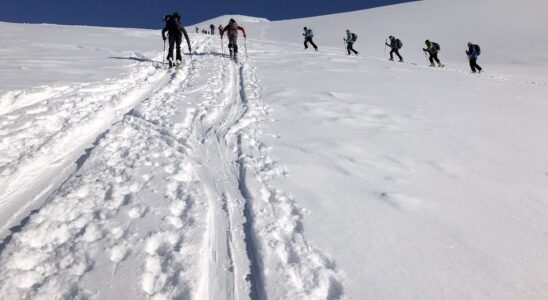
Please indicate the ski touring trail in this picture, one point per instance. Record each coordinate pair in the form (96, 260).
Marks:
(172, 200)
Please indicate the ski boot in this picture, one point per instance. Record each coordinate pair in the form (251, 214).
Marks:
(170, 62)
(440, 65)
(391, 59)
(433, 65)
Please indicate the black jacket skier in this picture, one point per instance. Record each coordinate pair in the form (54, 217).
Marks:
(175, 33)
(212, 27)
(395, 45)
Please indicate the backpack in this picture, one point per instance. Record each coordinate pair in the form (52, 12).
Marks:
(478, 49)
(399, 44)
(172, 23)
(354, 37)
(436, 46)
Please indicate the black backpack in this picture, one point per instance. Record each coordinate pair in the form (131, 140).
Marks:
(477, 48)
(436, 46)
(399, 44)
(354, 37)
(173, 23)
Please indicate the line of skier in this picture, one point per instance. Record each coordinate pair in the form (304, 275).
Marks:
(176, 31)
(432, 48)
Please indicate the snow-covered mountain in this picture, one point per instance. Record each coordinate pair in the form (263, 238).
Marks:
(291, 175)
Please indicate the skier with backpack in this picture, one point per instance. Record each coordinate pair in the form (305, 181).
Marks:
(220, 29)
(308, 35)
(350, 40)
(212, 27)
(433, 48)
(175, 31)
(232, 29)
(395, 46)
(473, 52)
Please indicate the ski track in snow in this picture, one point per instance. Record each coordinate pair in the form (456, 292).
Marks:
(175, 196)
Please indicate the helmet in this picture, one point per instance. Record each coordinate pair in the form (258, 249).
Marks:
(391, 37)
(232, 21)
(427, 42)
(304, 28)
(348, 30)
(469, 44)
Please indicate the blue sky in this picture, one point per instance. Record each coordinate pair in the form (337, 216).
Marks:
(148, 13)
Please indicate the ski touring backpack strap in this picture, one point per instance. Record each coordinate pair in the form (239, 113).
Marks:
(399, 44)
(354, 37)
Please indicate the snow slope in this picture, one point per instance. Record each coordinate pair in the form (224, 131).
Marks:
(291, 175)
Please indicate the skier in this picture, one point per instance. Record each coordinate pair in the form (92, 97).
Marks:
(220, 29)
(175, 31)
(395, 45)
(196, 29)
(433, 48)
(308, 35)
(212, 27)
(473, 52)
(350, 40)
(232, 29)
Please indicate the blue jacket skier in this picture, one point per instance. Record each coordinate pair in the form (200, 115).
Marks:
(308, 35)
(350, 40)
(473, 52)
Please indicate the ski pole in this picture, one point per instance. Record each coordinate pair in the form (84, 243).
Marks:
(223, 46)
(164, 54)
(385, 41)
(426, 57)
(245, 46)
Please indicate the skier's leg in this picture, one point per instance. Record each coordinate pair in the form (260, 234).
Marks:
(178, 43)
(472, 65)
(436, 58)
(392, 54)
(306, 43)
(171, 46)
(398, 54)
(348, 48)
(352, 48)
(313, 45)
(431, 59)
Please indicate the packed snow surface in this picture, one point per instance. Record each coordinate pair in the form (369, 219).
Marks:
(291, 174)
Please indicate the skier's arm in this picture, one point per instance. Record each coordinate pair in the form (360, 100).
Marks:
(223, 31)
(187, 39)
(243, 30)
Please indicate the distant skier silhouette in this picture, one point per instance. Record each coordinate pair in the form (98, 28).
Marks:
(232, 29)
(308, 35)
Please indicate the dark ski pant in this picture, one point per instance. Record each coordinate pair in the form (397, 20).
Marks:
(233, 44)
(350, 47)
(434, 57)
(474, 65)
(175, 40)
(309, 40)
(397, 52)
